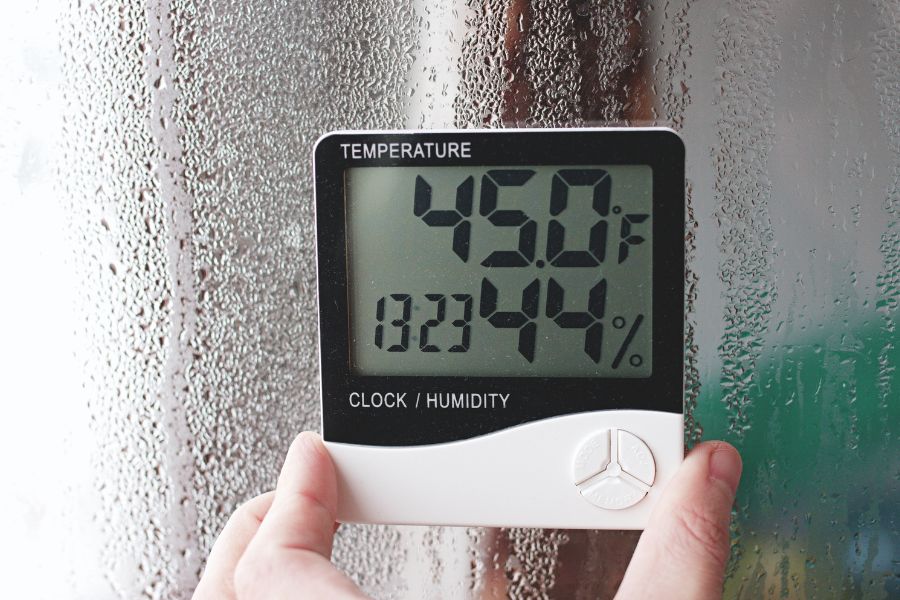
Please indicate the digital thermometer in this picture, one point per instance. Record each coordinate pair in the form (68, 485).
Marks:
(501, 324)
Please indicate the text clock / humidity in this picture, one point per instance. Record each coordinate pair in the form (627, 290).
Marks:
(501, 313)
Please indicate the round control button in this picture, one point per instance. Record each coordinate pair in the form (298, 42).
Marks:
(613, 469)
(635, 457)
(613, 493)
(592, 457)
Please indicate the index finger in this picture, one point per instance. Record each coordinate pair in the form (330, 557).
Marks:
(242, 525)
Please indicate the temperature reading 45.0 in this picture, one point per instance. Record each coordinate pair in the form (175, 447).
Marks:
(505, 270)
(599, 182)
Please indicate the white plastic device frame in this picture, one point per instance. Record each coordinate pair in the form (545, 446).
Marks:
(515, 477)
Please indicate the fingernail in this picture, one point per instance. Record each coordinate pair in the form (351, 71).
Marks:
(725, 466)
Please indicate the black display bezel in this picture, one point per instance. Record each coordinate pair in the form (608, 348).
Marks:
(532, 398)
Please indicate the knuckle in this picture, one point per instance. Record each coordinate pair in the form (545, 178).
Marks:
(318, 506)
(700, 532)
(241, 514)
(255, 508)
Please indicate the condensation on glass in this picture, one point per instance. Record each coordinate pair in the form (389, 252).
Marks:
(157, 242)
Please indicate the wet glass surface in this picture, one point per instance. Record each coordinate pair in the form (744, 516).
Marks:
(156, 231)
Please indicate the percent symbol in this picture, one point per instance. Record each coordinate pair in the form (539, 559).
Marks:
(635, 359)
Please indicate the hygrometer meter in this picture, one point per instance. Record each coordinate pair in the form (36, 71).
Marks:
(501, 323)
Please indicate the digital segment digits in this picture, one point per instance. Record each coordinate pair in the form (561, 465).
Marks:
(438, 306)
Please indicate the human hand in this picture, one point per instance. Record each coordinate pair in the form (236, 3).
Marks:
(278, 545)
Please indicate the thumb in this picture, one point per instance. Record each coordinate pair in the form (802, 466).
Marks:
(685, 548)
(289, 557)
(303, 510)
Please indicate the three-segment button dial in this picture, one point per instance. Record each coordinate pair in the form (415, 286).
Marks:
(613, 469)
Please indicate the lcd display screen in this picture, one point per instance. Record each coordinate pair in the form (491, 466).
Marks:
(526, 271)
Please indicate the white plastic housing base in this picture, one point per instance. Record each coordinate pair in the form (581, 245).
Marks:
(516, 477)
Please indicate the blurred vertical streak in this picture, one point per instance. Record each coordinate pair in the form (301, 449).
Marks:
(517, 94)
(179, 535)
(565, 64)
